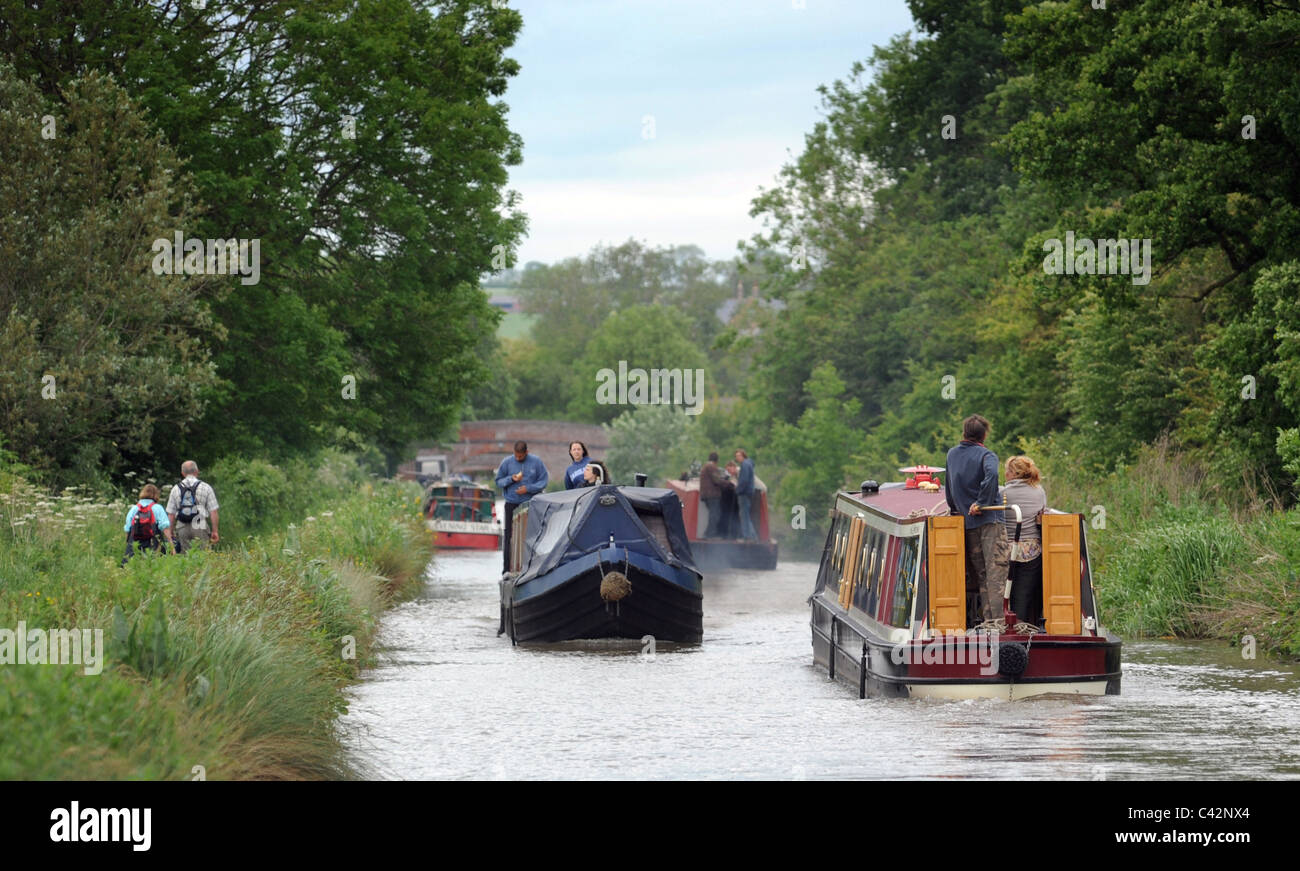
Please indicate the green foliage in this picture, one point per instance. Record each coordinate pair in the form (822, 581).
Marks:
(100, 359)
(365, 146)
(643, 337)
(813, 452)
(251, 492)
(1155, 580)
(654, 439)
(661, 303)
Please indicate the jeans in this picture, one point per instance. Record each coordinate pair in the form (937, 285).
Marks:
(747, 531)
(714, 506)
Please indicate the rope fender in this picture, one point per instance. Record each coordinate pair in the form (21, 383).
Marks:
(614, 586)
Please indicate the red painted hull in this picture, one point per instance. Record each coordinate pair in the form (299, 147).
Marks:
(467, 541)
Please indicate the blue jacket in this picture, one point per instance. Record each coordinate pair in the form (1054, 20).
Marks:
(972, 480)
(159, 516)
(534, 478)
(573, 474)
(745, 480)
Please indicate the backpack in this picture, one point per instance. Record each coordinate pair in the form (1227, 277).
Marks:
(189, 508)
(144, 526)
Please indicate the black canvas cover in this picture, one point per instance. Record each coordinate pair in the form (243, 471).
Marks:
(565, 525)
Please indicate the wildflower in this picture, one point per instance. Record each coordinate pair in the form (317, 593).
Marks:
(311, 519)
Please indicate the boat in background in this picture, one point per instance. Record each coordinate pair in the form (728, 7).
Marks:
(725, 553)
(889, 608)
(462, 515)
(601, 562)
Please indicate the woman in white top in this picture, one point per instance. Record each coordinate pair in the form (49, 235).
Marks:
(1025, 569)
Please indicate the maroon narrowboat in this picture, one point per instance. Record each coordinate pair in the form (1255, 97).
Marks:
(889, 611)
(725, 552)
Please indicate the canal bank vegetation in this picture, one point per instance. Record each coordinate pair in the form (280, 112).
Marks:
(226, 664)
(1175, 557)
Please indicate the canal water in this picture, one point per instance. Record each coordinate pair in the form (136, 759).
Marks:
(450, 699)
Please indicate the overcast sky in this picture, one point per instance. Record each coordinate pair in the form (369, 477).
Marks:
(730, 87)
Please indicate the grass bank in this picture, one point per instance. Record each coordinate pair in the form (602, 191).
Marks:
(232, 660)
(1172, 556)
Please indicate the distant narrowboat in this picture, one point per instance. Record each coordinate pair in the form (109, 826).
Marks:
(728, 551)
(462, 515)
(601, 562)
(889, 610)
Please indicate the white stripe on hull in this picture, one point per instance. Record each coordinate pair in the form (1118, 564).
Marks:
(1005, 691)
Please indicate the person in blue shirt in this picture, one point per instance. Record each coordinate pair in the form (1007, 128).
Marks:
(573, 475)
(521, 477)
(146, 532)
(745, 495)
(973, 481)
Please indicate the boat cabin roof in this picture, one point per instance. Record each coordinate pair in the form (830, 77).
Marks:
(899, 504)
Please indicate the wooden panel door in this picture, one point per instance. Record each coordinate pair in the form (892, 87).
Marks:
(946, 548)
(1061, 573)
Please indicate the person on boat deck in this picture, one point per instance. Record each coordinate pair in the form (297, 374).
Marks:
(745, 495)
(730, 523)
(573, 475)
(712, 483)
(972, 482)
(1025, 539)
(594, 473)
(521, 477)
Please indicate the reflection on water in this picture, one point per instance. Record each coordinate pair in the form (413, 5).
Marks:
(452, 700)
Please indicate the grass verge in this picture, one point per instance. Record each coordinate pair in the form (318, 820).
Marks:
(228, 663)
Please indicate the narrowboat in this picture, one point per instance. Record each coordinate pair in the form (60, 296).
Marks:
(601, 562)
(729, 551)
(462, 515)
(889, 609)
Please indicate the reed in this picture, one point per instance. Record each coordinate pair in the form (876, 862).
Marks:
(1178, 557)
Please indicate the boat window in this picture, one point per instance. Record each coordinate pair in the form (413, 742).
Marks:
(874, 565)
(830, 569)
(904, 582)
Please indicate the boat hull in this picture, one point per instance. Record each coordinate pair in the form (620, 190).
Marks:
(464, 535)
(719, 554)
(566, 604)
(960, 667)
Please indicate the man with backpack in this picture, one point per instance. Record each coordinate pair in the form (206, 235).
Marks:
(146, 524)
(189, 506)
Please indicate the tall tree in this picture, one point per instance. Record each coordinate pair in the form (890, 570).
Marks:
(364, 143)
(98, 354)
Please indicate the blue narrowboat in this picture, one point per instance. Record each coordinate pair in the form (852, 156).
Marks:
(601, 562)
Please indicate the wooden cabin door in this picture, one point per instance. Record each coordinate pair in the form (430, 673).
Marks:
(946, 548)
(1062, 573)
